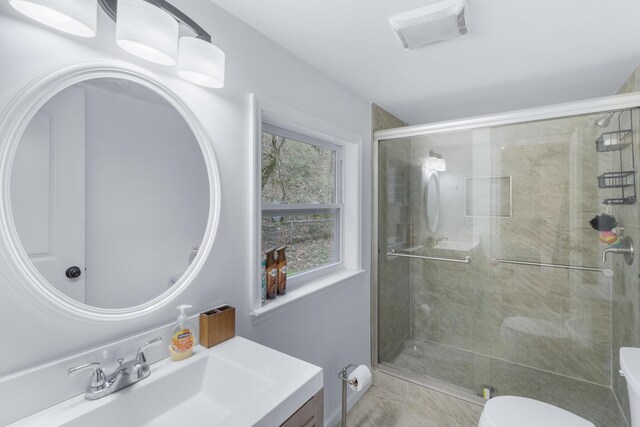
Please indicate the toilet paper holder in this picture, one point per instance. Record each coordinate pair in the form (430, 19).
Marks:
(353, 382)
(344, 376)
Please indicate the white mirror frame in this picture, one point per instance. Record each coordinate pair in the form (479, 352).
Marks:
(15, 117)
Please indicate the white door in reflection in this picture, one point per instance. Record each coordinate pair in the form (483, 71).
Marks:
(48, 191)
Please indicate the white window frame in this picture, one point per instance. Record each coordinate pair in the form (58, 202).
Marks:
(348, 184)
(312, 208)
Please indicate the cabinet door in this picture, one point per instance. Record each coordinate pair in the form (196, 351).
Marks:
(311, 414)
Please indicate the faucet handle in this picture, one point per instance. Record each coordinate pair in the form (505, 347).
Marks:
(140, 355)
(97, 379)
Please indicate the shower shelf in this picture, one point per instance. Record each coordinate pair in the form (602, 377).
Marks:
(620, 179)
(620, 201)
(613, 141)
(624, 179)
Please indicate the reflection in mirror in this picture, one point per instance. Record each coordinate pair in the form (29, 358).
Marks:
(109, 193)
(432, 200)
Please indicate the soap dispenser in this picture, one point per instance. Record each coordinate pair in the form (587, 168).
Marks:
(182, 336)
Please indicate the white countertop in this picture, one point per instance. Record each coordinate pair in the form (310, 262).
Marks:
(236, 383)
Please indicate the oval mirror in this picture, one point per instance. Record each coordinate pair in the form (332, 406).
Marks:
(432, 201)
(109, 193)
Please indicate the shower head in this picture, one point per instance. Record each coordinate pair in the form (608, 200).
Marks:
(603, 121)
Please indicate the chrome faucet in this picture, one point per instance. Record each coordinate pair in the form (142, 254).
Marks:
(126, 374)
(626, 248)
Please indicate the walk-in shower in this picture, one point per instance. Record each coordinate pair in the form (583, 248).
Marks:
(490, 279)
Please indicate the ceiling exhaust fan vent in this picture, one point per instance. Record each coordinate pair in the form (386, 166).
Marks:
(437, 22)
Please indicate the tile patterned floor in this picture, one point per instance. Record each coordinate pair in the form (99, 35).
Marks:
(424, 360)
(391, 402)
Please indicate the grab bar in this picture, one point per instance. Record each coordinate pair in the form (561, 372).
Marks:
(466, 260)
(607, 272)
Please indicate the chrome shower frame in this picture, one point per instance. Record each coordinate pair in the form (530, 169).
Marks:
(590, 106)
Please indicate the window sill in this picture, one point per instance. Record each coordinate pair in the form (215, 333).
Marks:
(303, 293)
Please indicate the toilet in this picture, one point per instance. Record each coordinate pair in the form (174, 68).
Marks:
(514, 411)
(630, 370)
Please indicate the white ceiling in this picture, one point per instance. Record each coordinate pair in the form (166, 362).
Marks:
(518, 54)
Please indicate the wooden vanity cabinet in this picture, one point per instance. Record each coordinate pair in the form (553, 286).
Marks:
(311, 414)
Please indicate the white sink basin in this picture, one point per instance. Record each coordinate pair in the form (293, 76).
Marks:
(236, 383)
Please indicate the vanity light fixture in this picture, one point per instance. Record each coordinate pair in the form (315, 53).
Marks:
(77, 17)
(201, 62)
(149, 29)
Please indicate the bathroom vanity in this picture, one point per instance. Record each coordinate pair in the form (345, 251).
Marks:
(310, 414)
(237, 383)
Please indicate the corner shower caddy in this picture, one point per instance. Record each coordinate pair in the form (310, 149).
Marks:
(624, 179)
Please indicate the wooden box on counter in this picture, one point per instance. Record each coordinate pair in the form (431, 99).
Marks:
(217, 325)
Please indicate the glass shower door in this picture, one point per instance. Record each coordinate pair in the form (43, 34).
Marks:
(523, 317)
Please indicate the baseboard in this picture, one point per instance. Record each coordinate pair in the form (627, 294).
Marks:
(336, 417)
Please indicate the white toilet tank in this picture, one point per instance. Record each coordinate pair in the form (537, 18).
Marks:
(630, 366)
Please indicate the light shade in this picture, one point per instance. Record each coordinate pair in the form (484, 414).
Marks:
(436, 164)
(77, 17)
(147, 31)
(201, 62)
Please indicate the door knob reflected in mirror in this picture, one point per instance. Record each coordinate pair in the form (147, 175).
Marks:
(73, 272)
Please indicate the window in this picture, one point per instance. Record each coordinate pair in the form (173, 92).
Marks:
(305, 193)
(301, 199)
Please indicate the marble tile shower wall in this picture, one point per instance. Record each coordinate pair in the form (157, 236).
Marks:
(393, 273)
(626, 284)
(550, 319)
